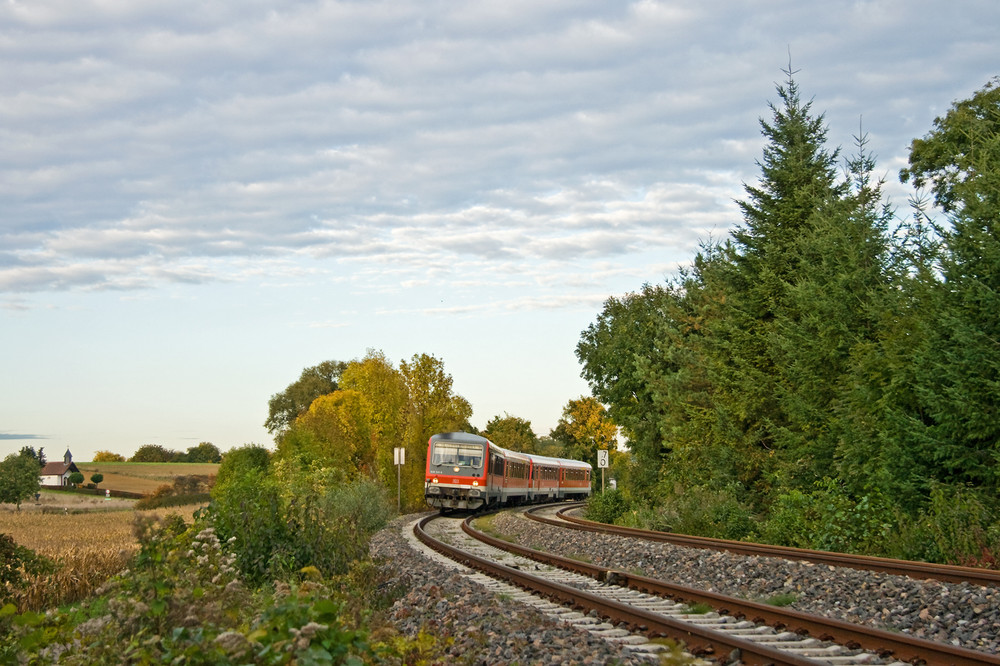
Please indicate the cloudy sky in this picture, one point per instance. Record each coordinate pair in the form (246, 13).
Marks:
(198, 199)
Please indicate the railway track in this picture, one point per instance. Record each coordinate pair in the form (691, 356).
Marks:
(737, 629)
(919, 570)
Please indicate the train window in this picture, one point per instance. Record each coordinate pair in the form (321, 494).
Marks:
(452, 453)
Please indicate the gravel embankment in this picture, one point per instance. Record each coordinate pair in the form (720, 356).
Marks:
(960, 614)
(482, 628)
(487, 629)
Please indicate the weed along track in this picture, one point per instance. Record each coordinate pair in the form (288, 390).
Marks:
(641, 611)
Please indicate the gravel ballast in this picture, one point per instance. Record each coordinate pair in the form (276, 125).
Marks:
(476, 626)
(479, 627)
(956, 613)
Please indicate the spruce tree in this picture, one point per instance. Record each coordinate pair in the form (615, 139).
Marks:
(958, 375)
(798, 186)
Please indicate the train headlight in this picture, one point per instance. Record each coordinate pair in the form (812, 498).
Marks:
(475, 483)
(434, 480)
(458, 469)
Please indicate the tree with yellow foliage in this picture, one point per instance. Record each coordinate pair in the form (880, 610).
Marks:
(108, 456)
(584, 428)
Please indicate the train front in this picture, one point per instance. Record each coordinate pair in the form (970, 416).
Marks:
(456, 471)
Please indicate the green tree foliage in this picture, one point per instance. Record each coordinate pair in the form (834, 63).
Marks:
(242, 460)
(96, 478)
(17, 563)
(513, 433)
(335, 431)
(294, 515)
(155, 453)
(285, 407)
(76, 478)
(206, 452)
(768, 258)
(826, 359)
(616, 352)
(38, 455)
(19, 479)
(958, 378)
(381, 395)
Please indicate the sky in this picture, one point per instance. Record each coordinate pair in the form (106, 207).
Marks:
(199, 199)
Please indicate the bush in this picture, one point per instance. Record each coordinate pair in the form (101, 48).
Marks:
(297, 516)
(958, 526)
(237, 462)
(608, 507)
(830, 518)
(699, 511)
(16, 564)
(248, 514)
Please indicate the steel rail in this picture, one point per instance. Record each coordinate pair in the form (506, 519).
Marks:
(698, 640)
(884, 643)
(921, 570)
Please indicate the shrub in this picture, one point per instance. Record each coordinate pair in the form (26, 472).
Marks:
(829, 517)
(237, 462)
(297, 516)
(608, 507)
(958, 526)
(248, 514)
(700, 511)
(17, 563)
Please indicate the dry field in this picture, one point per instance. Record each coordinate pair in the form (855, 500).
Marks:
(143, 477)
(88, 547)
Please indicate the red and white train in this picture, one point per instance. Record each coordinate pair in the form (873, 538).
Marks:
(467, 471)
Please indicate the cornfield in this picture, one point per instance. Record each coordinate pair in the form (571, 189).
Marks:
(88, 549)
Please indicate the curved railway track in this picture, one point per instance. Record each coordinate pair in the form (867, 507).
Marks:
(756, 633)
(920, 570)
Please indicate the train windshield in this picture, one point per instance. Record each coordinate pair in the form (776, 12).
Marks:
(455, 453)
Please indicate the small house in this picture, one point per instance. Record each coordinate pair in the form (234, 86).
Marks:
(57, 473)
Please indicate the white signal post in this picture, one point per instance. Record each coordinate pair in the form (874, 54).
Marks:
(602, 462)
(398, 458)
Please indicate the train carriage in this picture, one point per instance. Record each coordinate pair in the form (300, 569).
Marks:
(574, 480)
(544, 482)
(466, 471)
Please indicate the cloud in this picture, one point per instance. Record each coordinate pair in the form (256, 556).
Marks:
(162, 143)
(14, 436)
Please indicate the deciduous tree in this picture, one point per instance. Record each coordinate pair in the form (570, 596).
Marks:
(285, 407)
(154, 453)
(206, 452)
(108, 456)
(585, 428)
(241, 461)
(19, 479)
(432, 407)
(513, 433)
